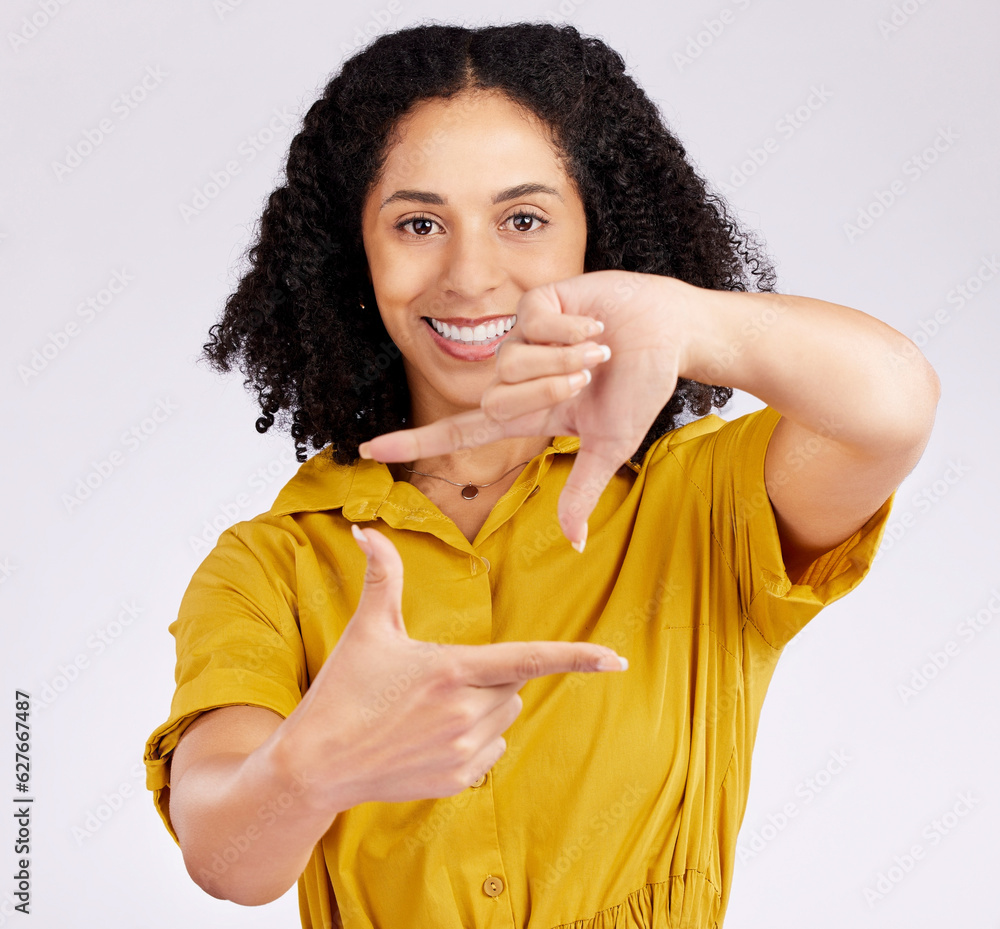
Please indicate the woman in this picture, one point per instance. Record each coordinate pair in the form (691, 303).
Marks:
(393, 720)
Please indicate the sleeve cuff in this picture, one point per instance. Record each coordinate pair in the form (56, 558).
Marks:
(777, 607)
(220, 687)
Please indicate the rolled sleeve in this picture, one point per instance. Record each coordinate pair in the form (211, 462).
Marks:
(727, 466)
(778, 608)
(237, 644)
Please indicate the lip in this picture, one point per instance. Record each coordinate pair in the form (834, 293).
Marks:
(467, 352)
(471, 323)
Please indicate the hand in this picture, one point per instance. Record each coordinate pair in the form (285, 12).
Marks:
(390, 718)
(645, 320)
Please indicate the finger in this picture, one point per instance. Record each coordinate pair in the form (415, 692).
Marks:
(493, 725)
(544, 316)
(487, 710)
(505, 402)
(552, 312)
(506, 662)
(591, 472)
(382, 594)
(463, 430)
(525, 361)
(483, 762)
(509, 340)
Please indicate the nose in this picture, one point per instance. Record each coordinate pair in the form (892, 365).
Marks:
(472, 265)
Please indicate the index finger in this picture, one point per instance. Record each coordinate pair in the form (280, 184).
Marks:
(517, 662)
(463, 430)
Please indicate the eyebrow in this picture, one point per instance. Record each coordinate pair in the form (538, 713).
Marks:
(510, 193)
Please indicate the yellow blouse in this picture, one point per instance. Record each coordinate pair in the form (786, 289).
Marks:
(620, 797)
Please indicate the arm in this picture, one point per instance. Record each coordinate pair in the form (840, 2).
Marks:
(856, 397)
(252, 793)
(225, 774)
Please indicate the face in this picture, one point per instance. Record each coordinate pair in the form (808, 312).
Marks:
(473, 209)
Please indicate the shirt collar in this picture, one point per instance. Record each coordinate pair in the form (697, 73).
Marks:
(362, 487)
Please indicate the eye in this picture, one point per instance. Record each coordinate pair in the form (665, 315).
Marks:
(422, 222)
(421, 225)
(527, 215)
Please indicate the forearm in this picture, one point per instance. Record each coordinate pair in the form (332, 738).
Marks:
(833, 370)
(246, 823)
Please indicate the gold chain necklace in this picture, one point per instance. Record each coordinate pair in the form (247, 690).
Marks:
(469, 490)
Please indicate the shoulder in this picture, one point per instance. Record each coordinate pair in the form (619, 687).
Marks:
(707, 437)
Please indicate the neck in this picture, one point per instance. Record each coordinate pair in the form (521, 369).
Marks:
(479, 465)
(482, 465)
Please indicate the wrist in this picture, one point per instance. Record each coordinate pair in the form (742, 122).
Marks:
(288, 768)
(723, 328)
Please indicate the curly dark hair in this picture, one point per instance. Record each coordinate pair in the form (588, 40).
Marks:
(295, 322)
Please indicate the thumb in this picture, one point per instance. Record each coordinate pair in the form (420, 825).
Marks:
(382, 594)
(590, 474)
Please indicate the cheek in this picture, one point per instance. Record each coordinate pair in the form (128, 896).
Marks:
(566, 261)
(398, 275)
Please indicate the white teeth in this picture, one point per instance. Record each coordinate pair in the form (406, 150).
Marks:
(474, 336)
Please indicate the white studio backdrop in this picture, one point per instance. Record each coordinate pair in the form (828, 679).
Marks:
(139, 143)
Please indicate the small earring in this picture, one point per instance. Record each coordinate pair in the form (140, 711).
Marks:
(362, 304)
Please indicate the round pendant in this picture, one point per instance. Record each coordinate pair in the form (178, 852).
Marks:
(470, 491)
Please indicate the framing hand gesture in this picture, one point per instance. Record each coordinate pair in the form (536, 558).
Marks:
(553, 380)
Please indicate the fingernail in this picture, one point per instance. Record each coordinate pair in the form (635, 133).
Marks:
(599, 325)
(581, 378)
(363, 543)
(599, 353)
(363, 450)
(612, 663)
(579, 546)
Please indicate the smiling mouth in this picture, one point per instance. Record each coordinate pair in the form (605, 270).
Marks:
(482, 334)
